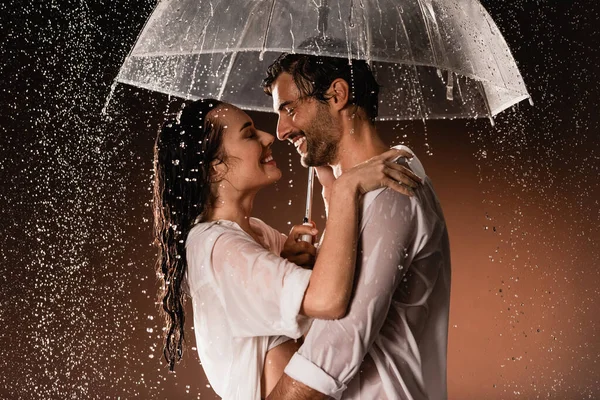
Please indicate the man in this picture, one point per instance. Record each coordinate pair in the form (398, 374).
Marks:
(392, 342)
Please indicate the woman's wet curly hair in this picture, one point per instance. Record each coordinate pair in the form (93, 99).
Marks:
(184, 151)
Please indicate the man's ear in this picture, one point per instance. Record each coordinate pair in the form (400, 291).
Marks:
(340, 94)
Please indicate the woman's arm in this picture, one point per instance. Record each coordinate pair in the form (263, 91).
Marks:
(330, 285)
(275, 362)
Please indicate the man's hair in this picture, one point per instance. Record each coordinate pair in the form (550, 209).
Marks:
(313, 76)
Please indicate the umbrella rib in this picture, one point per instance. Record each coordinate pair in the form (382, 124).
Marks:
(227, 73)
(485, 101)
(369, 37)
(264, 46)
(492, 50)
(195, 70)
(436, 60)
(234, 57)
(408, 42)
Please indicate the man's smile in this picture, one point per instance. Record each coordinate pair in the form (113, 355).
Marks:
(298, 142)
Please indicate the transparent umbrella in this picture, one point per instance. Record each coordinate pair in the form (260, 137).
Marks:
(433, 58)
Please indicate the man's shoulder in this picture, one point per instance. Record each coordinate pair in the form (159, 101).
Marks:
(385, 202)
(387, 205)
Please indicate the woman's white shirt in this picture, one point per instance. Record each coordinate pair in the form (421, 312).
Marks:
(244, 296)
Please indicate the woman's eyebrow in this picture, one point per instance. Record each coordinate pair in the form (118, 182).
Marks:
(247, 124)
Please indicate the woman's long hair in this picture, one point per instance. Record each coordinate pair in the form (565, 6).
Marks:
(184, 151)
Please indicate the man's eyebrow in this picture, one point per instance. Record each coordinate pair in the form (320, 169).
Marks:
(247, 124)
(284, 105)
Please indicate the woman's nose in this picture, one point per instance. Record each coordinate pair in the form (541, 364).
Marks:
(267, 139)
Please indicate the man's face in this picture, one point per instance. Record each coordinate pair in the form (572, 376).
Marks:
(306, 122)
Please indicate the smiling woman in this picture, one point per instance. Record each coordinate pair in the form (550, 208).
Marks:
(251, 287)
(250, 163)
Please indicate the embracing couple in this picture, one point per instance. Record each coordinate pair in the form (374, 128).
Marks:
(363, 314)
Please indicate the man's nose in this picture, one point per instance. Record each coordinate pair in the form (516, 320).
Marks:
(284, 128)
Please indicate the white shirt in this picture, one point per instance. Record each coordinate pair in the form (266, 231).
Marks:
(398, 316)
(243, 295)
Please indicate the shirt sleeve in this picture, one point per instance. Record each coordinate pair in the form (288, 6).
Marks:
(333, 350)
(275, 341)
(260, 291)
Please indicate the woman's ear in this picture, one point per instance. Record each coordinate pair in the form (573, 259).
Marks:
(218, 169)
(339, 93)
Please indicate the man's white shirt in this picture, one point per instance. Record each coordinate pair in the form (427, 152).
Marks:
(392, 344)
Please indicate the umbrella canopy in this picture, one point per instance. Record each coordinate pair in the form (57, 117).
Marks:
(433, 58)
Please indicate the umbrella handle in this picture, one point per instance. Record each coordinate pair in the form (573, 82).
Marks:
(308, 209)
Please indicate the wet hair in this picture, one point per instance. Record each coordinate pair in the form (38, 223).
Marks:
(184, 151)
(313, 76)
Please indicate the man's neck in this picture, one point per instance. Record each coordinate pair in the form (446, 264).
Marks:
(359, 143)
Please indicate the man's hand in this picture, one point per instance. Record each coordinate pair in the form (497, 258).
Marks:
(299, 252)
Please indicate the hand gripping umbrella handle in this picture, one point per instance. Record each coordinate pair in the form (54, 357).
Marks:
(308, 210)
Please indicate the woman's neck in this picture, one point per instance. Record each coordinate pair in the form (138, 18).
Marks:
(236, 209)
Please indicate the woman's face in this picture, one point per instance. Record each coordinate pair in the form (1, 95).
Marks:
(250, 165)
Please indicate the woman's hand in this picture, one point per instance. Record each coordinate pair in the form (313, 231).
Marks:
(380, 171)
(299, 252)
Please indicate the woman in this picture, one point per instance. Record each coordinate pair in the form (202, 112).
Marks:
(247, 298)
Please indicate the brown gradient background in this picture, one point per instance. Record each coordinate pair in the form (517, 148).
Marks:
(77, 287)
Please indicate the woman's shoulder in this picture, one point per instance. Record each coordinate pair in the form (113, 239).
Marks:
(208, 232)
(260, 224)
(271, 237)
(257, 223)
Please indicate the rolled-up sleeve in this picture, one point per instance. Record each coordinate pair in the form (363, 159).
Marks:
(261, 292)
(334, 350)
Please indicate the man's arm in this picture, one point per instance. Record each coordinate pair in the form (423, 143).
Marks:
(334, 350)
(289, 389)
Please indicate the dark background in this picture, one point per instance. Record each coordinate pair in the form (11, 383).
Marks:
(77, 285)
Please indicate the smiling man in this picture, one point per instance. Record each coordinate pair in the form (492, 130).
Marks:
(392, 342)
